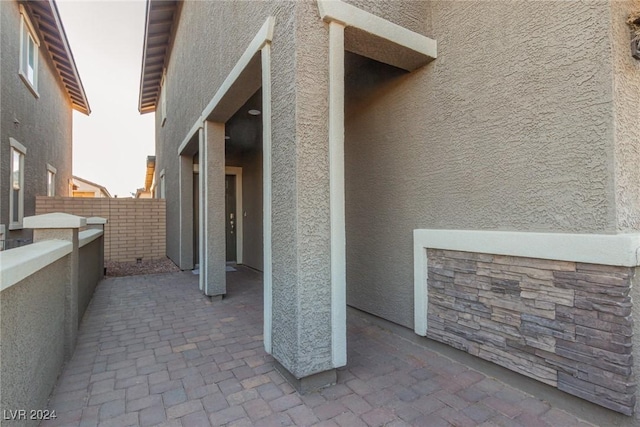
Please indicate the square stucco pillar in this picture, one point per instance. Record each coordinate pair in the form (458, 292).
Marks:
(98, 223)
(61, 226)
(303, 336)
(186, 212)
(212, 210)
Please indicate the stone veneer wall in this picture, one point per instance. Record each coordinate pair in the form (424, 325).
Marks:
(566, 324)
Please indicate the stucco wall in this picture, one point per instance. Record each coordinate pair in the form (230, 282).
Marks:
(32, 350)
(91, 272)
(197, 67)
(503, 131)
(45, 122)
(626, 89)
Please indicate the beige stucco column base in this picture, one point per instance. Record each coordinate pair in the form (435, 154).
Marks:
(310, 383)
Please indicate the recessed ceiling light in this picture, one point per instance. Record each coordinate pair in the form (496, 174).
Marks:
(254, 112)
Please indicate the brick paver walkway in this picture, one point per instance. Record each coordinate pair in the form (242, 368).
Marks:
(154, 350)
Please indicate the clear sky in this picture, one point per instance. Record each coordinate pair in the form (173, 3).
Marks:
(110, 147)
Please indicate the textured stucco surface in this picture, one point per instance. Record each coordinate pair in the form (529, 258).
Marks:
(45, 122)
(626, 87)
(300, 245)
(213, 172)
(32, 349)
(504, 131)
(196, 69)
(91, 269)
(524, 122)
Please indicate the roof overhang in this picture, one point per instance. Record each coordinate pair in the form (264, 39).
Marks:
(373, 37)
(159, 23)
(151, 167)
(46, 18)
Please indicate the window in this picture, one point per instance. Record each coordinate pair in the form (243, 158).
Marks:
(16, 200)
(28, 53)
(51, 180)
(163, 98)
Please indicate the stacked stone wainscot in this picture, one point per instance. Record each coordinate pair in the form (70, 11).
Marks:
(566, 324)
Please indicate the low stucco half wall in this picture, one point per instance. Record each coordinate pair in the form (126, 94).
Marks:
(38, 303)
(91, 269)
(32, 330)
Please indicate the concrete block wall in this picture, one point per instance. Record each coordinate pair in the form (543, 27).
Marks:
(567, 324)
(136, 228)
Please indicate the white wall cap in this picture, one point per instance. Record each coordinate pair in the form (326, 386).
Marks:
(606, 249)
(20, 263)
(87, 236)
(54, 220)
(96, 220)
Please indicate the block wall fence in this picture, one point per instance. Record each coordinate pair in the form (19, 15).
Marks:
(136, 228)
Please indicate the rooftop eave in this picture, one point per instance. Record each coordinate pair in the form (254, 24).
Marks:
(46, 17)
(160, 20)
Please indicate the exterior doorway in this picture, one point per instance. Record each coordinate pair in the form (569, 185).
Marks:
(231, 217)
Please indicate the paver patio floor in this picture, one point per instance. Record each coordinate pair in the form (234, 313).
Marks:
(154, 350)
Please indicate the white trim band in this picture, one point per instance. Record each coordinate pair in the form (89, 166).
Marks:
(266, 194)
(262, 37)
(337, 196)
(605, 249)
(20, 263)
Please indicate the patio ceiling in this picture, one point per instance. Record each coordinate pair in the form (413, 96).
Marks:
(47, 19)
(159, 26)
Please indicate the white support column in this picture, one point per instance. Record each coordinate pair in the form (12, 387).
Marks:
(212, 169)
(337, 197)
(202, 212)
(266, 192)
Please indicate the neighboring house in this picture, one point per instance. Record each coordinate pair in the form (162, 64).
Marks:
(482, 191)
(39, 88)
(84, 188)
(148, 191)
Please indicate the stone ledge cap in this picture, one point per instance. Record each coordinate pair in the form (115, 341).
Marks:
(94, 220)
(54, 220)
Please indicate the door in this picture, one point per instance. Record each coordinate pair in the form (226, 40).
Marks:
(231, 218)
